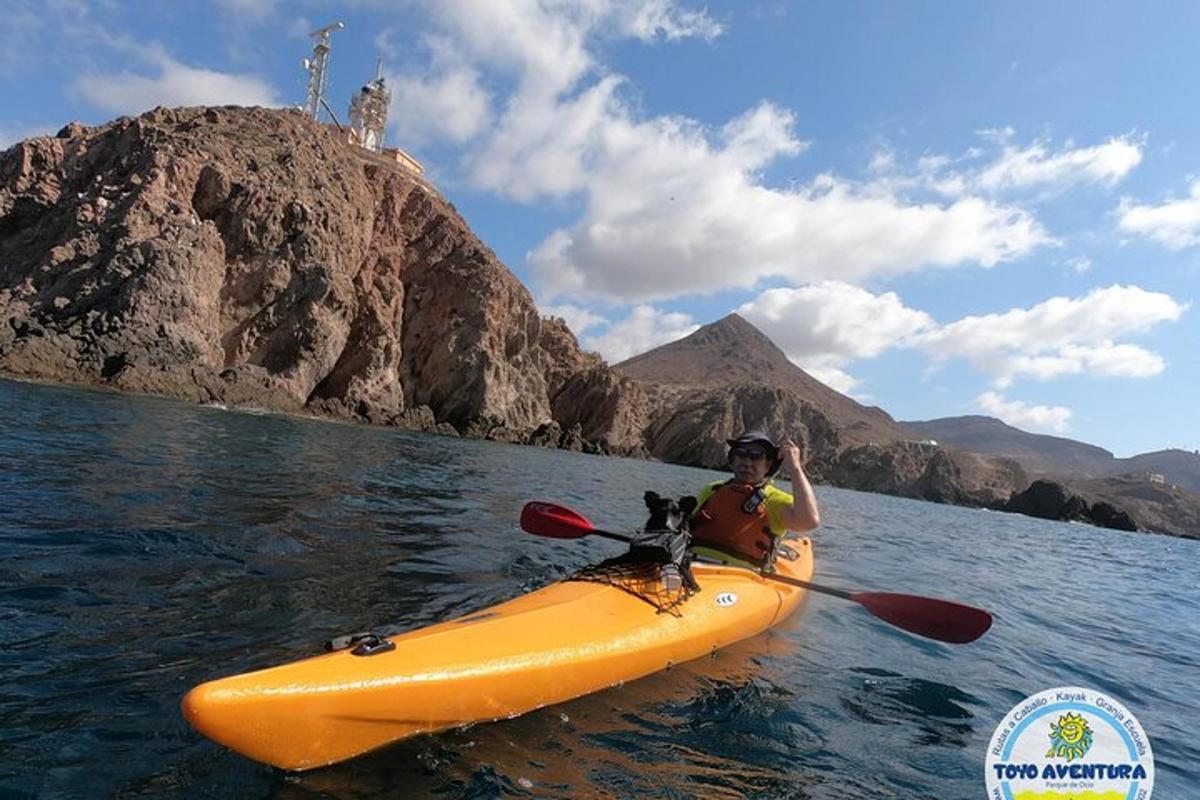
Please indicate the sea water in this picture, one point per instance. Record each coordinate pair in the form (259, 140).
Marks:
(149, 545)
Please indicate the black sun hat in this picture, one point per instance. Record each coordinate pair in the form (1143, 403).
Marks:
(758, 437)
(755, 437)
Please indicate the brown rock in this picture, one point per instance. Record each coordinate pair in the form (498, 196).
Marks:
(927, 472)
(732, 352)
(968, 479)
(605, 408)
(248, 256)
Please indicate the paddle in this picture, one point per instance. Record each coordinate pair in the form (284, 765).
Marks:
(936, 619)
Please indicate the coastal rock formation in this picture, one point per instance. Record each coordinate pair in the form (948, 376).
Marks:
(1050, 500)
(693, 426)
(606, 409)
(248, 256)
(1151, 491)
(1152, 506)
(928, 472)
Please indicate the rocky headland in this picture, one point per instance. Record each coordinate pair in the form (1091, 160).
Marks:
(249, 257)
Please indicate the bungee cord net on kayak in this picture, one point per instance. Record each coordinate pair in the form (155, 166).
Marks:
(656, 569)
(660, 585)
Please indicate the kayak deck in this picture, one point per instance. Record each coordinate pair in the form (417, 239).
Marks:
(545, 647)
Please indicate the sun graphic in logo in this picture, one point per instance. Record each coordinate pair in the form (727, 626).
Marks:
(1070, 737)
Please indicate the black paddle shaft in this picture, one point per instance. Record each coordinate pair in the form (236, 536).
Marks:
(769, 575)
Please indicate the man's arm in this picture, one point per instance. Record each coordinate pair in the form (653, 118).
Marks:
(803, 515)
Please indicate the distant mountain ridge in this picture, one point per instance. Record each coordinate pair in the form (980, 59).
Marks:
(1055, 455)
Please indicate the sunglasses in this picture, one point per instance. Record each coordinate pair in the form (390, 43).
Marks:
(753, 454)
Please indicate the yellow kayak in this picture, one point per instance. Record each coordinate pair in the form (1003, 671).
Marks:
(577, 636)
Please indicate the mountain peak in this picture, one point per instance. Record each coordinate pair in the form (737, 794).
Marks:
(733, 324)
(734, 329)
(732, 351)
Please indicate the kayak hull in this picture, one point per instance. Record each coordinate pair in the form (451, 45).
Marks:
(560, 642)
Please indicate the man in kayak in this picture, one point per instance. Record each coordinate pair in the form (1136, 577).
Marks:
(740, 521)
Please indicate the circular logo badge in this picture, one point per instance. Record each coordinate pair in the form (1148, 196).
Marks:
(1069, 743)
(726, 599)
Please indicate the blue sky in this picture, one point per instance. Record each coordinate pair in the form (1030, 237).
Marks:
(937, 208)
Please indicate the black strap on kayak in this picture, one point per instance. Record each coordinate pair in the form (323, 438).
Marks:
(366, 643)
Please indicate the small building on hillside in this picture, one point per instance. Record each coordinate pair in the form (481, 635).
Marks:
(403, 159)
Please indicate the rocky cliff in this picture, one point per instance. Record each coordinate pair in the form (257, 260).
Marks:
(248, 256)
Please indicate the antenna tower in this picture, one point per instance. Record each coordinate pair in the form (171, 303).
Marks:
(318, 67)
(369, 111)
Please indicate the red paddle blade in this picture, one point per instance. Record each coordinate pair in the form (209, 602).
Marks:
(555, 521)
(925, 616)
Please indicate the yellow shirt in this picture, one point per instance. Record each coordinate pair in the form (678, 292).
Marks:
(777, 502)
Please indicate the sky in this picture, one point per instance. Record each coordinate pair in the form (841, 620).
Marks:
(937, 208)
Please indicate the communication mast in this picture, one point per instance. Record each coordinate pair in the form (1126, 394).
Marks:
(318, 67)
(369, 112)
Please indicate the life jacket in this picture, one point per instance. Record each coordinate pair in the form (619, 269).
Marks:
(734, 520)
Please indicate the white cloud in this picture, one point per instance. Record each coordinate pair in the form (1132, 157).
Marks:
(669, 215)
(176, 84)
(998, 136)
(452, 105)
(546, 147)
(83, 33)
(644, 329)
(1022, 415)
(1174, 223)
(542, 45)
(825, 326)
(833, 323)
(1013, 169)
(1104, 360)
(1080, 264)
(671, 207)
(1060, 336)
(1036, 166)
(838, 380)
(882, 161)
(661, 18)
(577, 319)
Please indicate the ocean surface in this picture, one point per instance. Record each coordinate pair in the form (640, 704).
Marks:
(148, 545)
